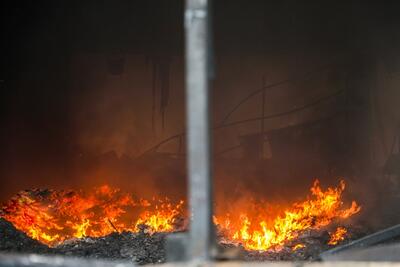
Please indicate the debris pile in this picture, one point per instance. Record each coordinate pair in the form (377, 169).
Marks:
(13, 240)
(143, 248)
(140, 247)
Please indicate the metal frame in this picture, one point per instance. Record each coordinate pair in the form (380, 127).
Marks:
(201, 230)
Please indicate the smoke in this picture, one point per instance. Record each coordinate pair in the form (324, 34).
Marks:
(71, 123)
(114, 112)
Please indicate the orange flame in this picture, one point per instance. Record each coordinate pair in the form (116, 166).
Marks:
(298, 246)
(267, 232)
(337, 236)
(54, 216)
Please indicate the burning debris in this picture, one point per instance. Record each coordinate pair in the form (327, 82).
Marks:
(141, 247)
(337, 236)
(261, 231)
(112, 224)
(17, 241)
(55, 216)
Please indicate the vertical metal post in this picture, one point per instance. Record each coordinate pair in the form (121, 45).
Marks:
(201, 232)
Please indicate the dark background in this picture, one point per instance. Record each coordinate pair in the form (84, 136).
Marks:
(40, 39)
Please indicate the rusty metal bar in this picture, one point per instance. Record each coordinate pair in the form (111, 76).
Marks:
(201, 232)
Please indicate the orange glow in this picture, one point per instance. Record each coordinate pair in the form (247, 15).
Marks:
(54, 216)
(271, 230)
(298, 246)
(337, 236)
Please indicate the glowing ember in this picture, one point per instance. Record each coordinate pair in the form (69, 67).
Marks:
(266, 231)
(337, 236)
(55, 216)
(298, 246)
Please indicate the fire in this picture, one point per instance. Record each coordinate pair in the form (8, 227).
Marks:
(272, 231)
(337, 236)
(52, 216)
(298, 246)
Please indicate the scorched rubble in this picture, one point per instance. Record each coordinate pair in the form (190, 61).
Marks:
(139, 247)
(109, 223)
(143, 248)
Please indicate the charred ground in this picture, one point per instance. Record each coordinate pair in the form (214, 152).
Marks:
(146, 248)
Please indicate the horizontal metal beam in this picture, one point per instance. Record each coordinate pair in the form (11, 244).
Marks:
(33, 260)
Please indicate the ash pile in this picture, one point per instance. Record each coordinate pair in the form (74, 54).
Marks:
(12, 240)
(144, 248)
(141, 248)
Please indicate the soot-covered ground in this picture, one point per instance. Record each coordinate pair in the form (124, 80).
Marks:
(139, 247)
(144, 248)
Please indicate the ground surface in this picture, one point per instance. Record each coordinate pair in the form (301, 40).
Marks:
(143, 248)
(138, 247)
